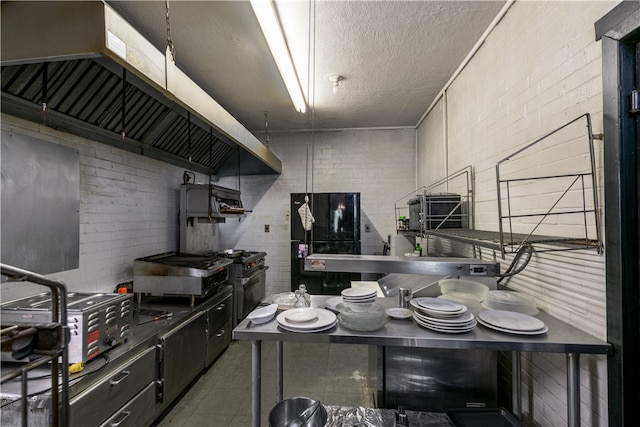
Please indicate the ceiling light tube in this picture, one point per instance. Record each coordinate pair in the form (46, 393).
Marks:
(266, 14)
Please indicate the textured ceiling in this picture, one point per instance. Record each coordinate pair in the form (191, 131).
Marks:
(395, 56)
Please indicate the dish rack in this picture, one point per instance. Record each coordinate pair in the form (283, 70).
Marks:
(48, 341)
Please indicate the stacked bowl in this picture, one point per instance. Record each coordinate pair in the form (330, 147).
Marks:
(359, 300)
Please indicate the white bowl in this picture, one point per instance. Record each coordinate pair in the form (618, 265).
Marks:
(510, 301)
(263, 314)
(359, 307)
(370, 320)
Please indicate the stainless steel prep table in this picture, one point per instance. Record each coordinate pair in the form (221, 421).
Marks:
(561, 338)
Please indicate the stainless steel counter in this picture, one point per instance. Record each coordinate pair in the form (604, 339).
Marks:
(144, 334)
(561, 338)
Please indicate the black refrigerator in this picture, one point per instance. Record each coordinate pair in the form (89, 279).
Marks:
(336, 230)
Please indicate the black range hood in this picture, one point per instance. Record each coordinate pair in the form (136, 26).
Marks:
(81, 68)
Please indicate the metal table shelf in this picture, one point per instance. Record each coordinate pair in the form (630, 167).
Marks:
(561, 338)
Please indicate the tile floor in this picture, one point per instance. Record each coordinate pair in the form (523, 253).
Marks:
(335, 374)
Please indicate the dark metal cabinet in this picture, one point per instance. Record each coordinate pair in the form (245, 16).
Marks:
(108, 395)
(181, 356)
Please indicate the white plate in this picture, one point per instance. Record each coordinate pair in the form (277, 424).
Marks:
(301, 316)
(447, 329)
(358, 292)
(399, 313)
(437, 313)
(511, 320)
(511, 331)
(308, 331)
(262, 314)
(325, 318)
(462, 319)
(435, 304)
(332, 303)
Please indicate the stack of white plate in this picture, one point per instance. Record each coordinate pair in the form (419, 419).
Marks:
(307, 320)
(512, 322)
(359, 299)
(442, 315)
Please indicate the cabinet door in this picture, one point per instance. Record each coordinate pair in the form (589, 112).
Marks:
(218, 329)
(183, 356)
(97, 403)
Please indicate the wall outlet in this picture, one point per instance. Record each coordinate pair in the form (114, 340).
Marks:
(266, 228)
(367, 228)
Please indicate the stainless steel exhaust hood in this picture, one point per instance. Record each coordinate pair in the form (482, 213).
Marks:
(81, 68)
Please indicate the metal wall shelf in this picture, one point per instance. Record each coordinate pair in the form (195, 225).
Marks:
(506, 240)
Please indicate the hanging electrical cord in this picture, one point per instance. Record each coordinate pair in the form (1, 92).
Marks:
(513, 269)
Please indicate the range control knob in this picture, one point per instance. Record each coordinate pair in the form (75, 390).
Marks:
(111, 341)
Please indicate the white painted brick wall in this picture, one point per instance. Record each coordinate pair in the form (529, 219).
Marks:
(538, 69)
(380, 164)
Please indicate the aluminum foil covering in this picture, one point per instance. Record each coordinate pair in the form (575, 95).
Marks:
(358, 416)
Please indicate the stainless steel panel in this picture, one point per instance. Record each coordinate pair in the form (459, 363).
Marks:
(156, 88)
(184, 350)
(218, 328)
(219, 314)
(138, 412)
(40, 204)
(400, 264)
(97, 403)
(250, 291)
(174, 285)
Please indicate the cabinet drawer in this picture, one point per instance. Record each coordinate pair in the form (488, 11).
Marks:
(219, 314)
(98, 402)
(217, 341)
(138, 412)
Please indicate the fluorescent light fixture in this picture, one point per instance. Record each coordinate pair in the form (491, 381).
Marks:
(266, 14)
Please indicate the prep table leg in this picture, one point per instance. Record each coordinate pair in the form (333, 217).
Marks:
(256, 379)
(279, 389)
(573, 389)
(516, 384)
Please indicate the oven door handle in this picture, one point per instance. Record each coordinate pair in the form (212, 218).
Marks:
(245, 280)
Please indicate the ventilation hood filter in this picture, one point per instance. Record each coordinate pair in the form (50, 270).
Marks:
(92, 74)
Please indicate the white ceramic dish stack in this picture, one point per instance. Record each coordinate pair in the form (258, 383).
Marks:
(512, 322)
(359, 299)
(371, 320)
(442, 315)
(307, 320)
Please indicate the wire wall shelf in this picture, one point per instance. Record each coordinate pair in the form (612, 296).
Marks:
(574, 196)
